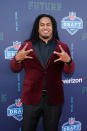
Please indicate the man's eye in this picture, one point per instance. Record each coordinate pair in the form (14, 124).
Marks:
(48, 25)
(41, 25)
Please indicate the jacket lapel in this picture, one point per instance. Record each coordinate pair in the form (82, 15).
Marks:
(37, 53)
(52, 57)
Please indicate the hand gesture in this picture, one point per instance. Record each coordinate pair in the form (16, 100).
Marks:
(63, 56)
(22, 54)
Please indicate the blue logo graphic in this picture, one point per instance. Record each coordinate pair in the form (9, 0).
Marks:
(72, 125)
(16, 110)
(11, 51)
(72, 23)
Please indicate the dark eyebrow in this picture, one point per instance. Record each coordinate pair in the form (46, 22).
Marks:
(46, 23)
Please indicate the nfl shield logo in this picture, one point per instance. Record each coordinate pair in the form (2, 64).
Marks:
(71, 125)
(11, 51)
(71, 120)
(16, 45)
(72, 23)
(16, 110)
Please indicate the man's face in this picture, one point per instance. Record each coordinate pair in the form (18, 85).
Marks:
(45, 28)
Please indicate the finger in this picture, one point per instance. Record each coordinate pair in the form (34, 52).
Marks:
(28, 57)
(61, 48)
(28, 51)
(57, 60)
(24, 48)
(57, 53)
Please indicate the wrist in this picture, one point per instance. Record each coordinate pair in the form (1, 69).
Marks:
(17, 59)
(69, 62)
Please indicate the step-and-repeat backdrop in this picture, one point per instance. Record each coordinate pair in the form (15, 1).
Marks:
(16, 21)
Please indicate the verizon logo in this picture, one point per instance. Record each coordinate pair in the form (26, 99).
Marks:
(72, 80)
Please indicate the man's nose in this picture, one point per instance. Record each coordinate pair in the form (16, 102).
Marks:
(45, 26)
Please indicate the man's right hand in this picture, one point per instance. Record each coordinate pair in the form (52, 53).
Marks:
(22, 54)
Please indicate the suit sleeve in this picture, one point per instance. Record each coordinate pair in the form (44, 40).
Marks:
(69, 68)
(16, 66)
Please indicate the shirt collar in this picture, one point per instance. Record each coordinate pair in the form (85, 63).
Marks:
(49, 41)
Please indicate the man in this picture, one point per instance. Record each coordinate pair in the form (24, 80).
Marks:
(44, 58)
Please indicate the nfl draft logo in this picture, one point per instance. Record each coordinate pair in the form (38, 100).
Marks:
(15, 110)
(72, 23)
(11, 51)
(71, 125)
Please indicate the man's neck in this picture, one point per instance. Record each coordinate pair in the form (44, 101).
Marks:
(45, 40)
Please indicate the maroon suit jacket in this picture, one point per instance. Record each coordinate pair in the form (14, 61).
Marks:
(35, 74)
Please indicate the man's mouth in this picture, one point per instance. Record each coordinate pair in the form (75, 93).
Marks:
(45, 31)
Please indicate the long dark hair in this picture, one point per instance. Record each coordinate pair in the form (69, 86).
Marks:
(35, 35)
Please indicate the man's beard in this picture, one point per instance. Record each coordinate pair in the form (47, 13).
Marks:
(45, 37)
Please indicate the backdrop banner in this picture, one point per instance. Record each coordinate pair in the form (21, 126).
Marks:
(16, 22)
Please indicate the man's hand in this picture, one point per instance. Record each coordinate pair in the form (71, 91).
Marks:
(63, 56)
(22, 54)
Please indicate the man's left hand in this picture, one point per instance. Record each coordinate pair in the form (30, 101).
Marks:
(63, 56)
